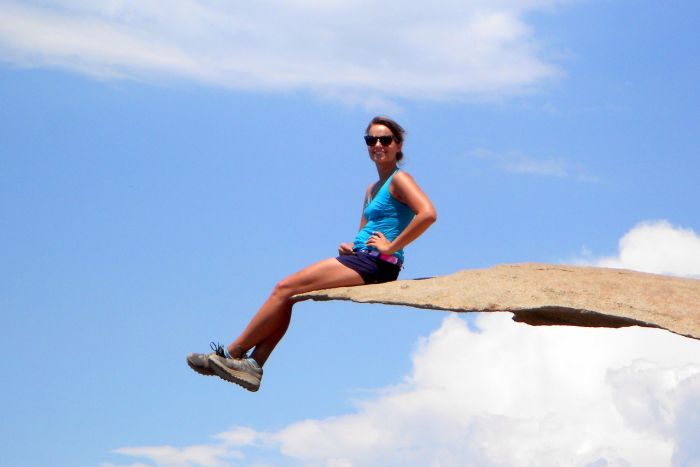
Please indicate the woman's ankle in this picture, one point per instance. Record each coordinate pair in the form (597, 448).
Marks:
(236, 351)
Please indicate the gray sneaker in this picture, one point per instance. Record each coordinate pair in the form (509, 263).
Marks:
(199, 362)
(241, 371)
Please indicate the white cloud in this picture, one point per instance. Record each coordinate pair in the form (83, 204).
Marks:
(240, 436)
(511, 394)
(338, 48)
(657, 247)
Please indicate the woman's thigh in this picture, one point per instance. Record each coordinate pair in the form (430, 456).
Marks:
(325, 274)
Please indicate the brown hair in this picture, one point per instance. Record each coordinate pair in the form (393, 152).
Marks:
(396, 130)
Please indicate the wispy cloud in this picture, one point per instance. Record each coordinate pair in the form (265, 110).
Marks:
(336, 48)
(204, 455)
(516, 162)
(221, 452)
(654, 246)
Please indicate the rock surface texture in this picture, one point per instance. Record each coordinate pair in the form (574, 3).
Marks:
(546, 294)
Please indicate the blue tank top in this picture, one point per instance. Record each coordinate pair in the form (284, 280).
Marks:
(385, 214)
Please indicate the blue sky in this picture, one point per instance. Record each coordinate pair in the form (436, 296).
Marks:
(163, 164)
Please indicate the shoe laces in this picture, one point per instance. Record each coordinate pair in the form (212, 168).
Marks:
(218, 349)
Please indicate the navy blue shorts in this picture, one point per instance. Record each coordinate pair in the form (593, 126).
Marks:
(373, 270)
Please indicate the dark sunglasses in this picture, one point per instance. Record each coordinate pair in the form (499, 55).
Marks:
(372, 140)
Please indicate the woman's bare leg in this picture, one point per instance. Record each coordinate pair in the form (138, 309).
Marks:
(270, 323)
(263, 349)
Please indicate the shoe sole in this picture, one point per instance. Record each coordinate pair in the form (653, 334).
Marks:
(240, 378)
(200, 370)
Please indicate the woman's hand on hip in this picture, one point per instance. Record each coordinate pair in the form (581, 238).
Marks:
(380, 242)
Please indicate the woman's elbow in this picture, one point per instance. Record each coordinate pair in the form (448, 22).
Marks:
(430, 215)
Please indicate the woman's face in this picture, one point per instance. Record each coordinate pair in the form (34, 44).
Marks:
(378, 152)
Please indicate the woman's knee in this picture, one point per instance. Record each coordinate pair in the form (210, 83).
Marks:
(284, 289)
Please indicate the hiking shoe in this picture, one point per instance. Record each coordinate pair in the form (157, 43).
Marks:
(244, 372)
(199, 362)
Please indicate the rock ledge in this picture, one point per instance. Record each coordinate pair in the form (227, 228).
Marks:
(547, 294)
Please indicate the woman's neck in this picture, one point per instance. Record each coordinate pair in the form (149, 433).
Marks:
(386, 172)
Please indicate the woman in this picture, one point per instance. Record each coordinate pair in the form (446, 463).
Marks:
(396, 212)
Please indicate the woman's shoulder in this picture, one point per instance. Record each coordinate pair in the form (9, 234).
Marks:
(401, 177)
(401, 182)
(401, 173)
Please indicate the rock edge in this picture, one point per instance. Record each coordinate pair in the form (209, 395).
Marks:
(546, 294)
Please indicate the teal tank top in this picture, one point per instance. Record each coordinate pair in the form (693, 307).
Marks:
(385, 214)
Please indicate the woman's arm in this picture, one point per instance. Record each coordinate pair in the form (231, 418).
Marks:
(406, 190)
(346, 248)
(363, 219)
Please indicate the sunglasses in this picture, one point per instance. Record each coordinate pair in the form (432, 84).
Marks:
(384, 140)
